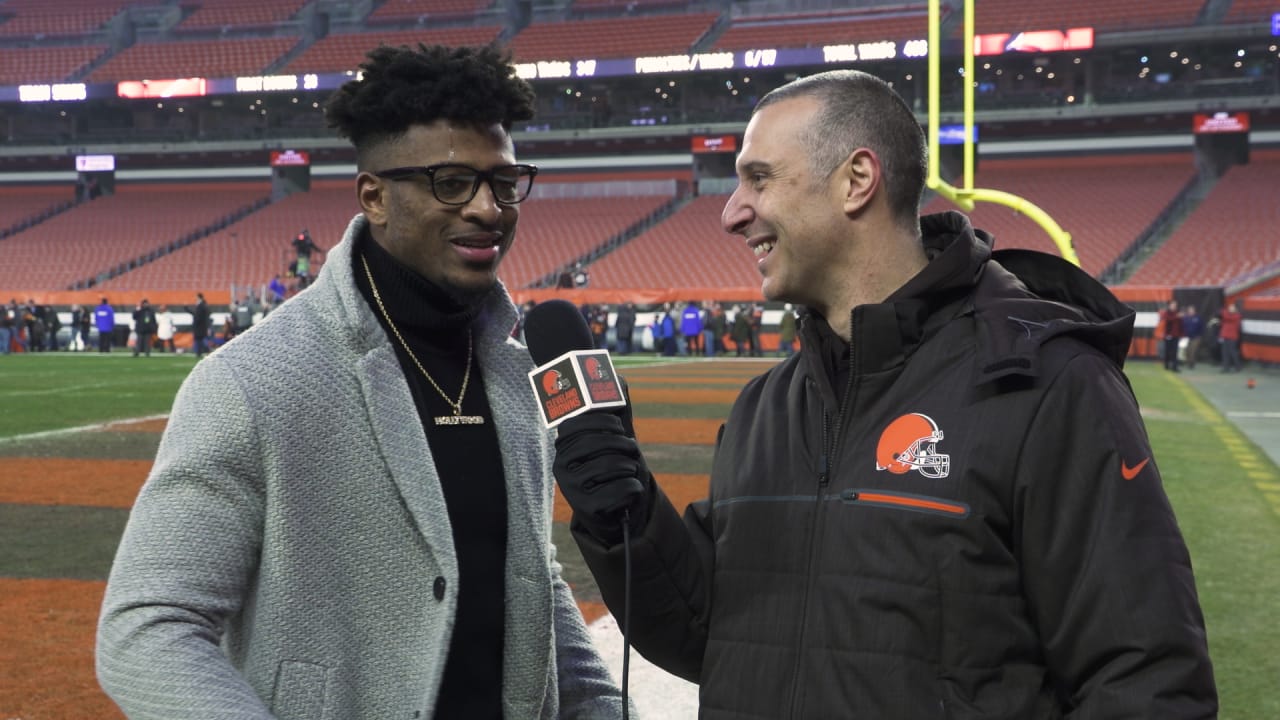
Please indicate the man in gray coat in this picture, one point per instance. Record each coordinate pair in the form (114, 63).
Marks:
(349, 514)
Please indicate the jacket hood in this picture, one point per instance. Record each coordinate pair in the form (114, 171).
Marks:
(1018, 299)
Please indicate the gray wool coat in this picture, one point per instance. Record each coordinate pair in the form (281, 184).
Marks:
(283, 558)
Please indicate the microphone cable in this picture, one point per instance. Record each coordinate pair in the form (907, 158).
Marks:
(626, 610)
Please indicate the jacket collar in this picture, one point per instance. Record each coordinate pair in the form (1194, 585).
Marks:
(1019, 299)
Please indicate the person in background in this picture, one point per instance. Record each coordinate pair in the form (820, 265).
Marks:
(1229, 335)
(944, 506)
(755, 322)
(33, 326)
(104, 319)
(1193, 331)
(691, 327)
(144, 327)
(85, 327)
(74, 343)
(787, 331)
(8, 319)
(201, 319)
(741, 332)
(624, 327)
(713, 332)
(165, 329)
(303, 247)
(276, 291)
(598, 322)
(407, 570)
(52, 325)
(1171, 334)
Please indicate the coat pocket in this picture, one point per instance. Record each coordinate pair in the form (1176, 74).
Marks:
(300, 691)
(905, 501)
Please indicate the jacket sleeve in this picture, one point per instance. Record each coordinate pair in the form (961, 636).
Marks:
(185, 559)
(587, 690)
(1107, 575)
(671, 565)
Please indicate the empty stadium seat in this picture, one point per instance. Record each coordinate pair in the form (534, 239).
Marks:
(554, 231)
(206, 14)
(345, 52)
(610, 38)
(57, 17)
(688, 249)
(227, 57)
(993, 16)
(1232, 232)
(393, 10)
(249, 252)
(97, 236)
(1104, 201)
(813, 30)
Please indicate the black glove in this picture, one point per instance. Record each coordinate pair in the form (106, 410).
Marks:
(602, 474)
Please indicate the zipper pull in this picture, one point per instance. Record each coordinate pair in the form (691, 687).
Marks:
(823, 477)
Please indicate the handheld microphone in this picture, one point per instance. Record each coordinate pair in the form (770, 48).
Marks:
(571, 376)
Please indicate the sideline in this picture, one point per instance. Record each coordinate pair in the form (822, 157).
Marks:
(83, 428)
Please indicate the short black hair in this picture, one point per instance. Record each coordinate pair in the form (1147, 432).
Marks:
(861, 110)
(403, 86)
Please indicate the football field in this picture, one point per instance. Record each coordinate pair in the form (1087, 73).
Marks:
(78, 432)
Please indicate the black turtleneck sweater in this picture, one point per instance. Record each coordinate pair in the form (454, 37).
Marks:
(469, 463)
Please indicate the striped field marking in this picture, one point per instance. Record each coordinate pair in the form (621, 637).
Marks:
(1255, 467)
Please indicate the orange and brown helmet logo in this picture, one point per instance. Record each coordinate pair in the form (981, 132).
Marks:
(553, 382)
(911, 443)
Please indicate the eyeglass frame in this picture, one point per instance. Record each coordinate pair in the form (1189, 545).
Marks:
(486, 176)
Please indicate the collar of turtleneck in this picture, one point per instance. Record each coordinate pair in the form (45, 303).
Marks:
(420, 309)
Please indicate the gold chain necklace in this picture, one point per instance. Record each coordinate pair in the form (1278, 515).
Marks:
(457, 418)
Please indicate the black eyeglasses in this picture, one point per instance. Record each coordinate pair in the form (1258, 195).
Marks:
(454, 184)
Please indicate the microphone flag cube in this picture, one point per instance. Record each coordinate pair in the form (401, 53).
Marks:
(574, 383)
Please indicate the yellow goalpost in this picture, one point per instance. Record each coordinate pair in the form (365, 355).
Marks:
(966, 196)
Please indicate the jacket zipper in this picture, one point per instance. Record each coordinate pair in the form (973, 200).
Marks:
(830, 443)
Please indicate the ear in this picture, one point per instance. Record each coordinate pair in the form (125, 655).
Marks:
(861, 174)
(370, 192)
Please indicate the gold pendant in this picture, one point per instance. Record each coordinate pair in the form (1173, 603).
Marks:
(459, 419)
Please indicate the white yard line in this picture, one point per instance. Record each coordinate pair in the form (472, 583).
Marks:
(82, 428)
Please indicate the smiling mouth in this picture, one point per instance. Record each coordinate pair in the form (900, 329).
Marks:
(762, 249)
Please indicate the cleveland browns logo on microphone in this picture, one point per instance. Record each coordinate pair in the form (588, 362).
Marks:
(575, 383)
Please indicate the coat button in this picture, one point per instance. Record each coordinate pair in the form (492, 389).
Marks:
(439, 588)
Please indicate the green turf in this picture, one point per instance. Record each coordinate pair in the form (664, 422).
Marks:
(1233, 532)
(48, 391)
(59, 541)
(1234, 538)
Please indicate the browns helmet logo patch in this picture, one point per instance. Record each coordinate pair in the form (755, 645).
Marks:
(911, 443)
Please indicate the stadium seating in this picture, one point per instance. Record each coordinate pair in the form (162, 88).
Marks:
(688, 249)
(214, 14)
(1104, 201)
(554, 231)
(993, 16)
(56, 17)
(810, 30)
(21, 66)
(1232, 232)
(227, 57)
(426, 10)
(249, 252)
(19, 205)
(627, 6)
(98, 235)
(1250, 11)
(610, 38)
(341, 53)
